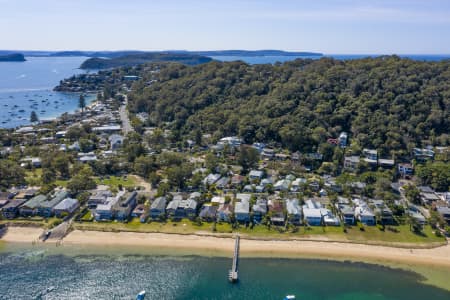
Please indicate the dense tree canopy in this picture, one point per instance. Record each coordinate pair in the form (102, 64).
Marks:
(388, 103)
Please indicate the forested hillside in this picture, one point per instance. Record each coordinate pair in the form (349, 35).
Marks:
(387, 103)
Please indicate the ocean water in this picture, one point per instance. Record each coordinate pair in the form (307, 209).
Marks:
(28, 86)
(28, 274)
(273, 59)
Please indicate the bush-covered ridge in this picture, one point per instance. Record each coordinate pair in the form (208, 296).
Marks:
(12, 57)
(135, 59)
(388, 103)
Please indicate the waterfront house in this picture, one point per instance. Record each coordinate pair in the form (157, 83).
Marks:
(187, 208)
(98, 197)
(11, 209)
(158, 208)
(30, 208)
(242, 208)
(347, 213)
(365, 215)
(45, 208)
(138, 211)
(224, 212)
(208, 212)
(172, 207)
(294, 211)
(66, 207)
(259, 210)
(414, 212)
(329, 219)
(277, 211)
(104, 211)
(125, 206)
(313, 216)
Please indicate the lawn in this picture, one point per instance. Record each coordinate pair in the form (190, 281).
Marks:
(371, 234)
(34, 178)
(114, 181)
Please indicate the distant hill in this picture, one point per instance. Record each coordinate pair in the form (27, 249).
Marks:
(255, 53)
(12, 57)
(135, 59)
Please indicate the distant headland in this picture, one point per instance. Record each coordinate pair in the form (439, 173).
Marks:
(12, 57)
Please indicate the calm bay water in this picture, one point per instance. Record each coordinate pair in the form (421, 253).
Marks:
(28, 86)
(27, 274)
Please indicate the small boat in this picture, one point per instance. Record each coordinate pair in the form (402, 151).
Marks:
(289, 297)
(140, 296)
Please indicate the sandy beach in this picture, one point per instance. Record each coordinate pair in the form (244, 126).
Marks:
(439, 256)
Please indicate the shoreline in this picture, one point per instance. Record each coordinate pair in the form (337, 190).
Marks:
(432, 264)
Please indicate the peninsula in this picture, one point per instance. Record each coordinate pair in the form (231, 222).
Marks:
(15, 57)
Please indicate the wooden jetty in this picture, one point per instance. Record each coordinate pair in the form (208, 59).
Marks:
(233, 273)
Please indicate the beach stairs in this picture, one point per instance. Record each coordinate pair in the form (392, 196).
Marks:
(233, 273)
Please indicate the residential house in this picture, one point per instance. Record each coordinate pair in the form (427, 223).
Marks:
(242, 208)
(208, 212)
(98, 197)
(351, 163)
(222, 182)
(268, 153)
(224, 212)
(342, 140)
(276, 209)
(259, 210)
(172, 206)
(45, 208)
(365, 215)
(11, 209)
(312, 213)
(415, 213)
(138, 211)
(30, 208)
(329, 219)
(125, 205)
(282, 185)
(405, 169)
(105, 211)
(158, 208)
(187, 208)
(116, 141)
(211, 179)
(428, 195)
(371, 156)
(237, 180)
(423, 154)
(386, 163)
(294, 211)
(445, 213)
(66, 207)
(256, 175)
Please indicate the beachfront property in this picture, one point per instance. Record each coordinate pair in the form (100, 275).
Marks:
(312, 213)
(208, 212)
(158, 208)
(242, 208)
(383, 211)
(363, 213)
(224, 212)
(123, 208)
(277, 211)
(98, 197)
(30, 208)
(11, 209)
(66, 207)
(294, 211)
(104, 211)
(259, 210)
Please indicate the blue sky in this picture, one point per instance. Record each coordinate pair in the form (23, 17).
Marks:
(328, 26)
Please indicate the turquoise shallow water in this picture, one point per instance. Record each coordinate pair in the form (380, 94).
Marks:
(27, 273)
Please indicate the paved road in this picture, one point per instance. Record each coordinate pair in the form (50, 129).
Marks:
(126, 124)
